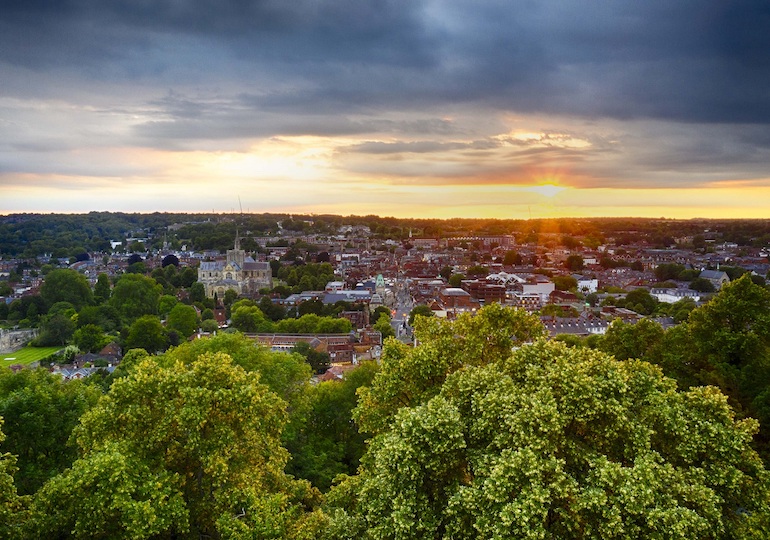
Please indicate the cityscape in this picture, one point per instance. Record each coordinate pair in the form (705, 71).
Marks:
(384, 270)
(97, 307)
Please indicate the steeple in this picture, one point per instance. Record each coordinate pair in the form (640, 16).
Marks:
(236, 255)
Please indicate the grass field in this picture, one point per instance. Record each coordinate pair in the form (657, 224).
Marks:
(27, 355)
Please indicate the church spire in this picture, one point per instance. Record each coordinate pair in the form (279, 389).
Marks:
(237, 239)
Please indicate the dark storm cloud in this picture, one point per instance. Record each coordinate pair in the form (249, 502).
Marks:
(693, 61)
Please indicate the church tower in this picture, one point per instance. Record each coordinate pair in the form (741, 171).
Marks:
(236, 255)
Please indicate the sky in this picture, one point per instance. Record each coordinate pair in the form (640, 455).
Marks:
(406, 108)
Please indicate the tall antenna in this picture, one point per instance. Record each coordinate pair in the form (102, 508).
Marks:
(240, 205)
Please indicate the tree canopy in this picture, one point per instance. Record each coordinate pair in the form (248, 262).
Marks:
(177, 450)
(64, 285)
(552, 442)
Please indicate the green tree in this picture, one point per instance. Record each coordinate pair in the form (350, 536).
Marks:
(329, 443)
(102, 288)
(197, 292)
(731, 334)
(553, 310)
(666, 271)
(134, 296)
(702, 285)
(183, 319)
(105, 316)
(422, 310)
(64, 285)
(250, 319)
(626, 341)
(512, 258)
(319, 361)
(565, 283)
(591, 448)
(478, 271)
(56, 330)
(40, 412)
(230, 297)
(90, 338)
(178, 450)
(10, 503)
(384, 327)
(574, 263)
(456, 279)
(446, 272)
(274, 312)
(288, 375)
(166, 304)
(209, 326)
(416, 374)
(641, 301)
(146, 333)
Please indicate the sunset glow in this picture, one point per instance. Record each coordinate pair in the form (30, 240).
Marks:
(425, 109)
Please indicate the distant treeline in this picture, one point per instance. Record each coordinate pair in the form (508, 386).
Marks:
(70, 235)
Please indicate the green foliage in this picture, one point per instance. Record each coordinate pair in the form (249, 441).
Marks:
(133, 499)
(209, 326)
(478, 271)
(176, 449)
(306, 277)
(625, 341)
(679, 310)
(701, 285)
(134, 296)
(421, 310)
(10, 502)
(146, 333)
(197, 292)
(274, 312)
(565, 283)
(512, 258)
(64, 285)
(287, 375)
(410, 376)
(319, 361)
(732, 334)
(574, 263)
(329, 444)
(55, 330)
(384, 327)
(250, 319)
(456, 279)
(556, 442)
(641, 301)
(166, 304)
(666, 271)
(183, 319)
(553, 310)
(90, 338)
(19, 308)
(313, 324)
(40, 411)
(105, 317)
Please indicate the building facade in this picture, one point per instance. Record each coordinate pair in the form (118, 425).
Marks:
(237, 272)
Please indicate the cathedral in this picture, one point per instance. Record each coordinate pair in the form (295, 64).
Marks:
(240, 273)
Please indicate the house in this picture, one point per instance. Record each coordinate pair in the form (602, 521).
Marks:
(541, 288)
(670, 296)
(455, 300)
(586, 285)
(716, 277)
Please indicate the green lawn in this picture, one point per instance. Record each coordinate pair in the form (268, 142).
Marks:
(27, 355)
